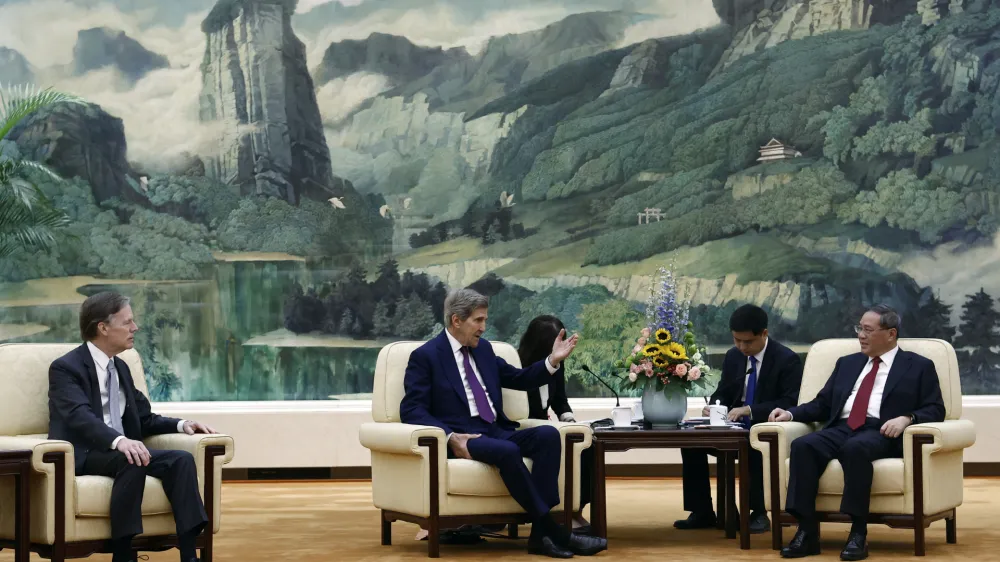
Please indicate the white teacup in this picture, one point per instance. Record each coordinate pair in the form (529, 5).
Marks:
(621, 416)
(717, 414)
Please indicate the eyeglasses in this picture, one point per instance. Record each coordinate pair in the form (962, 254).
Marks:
(858, 329)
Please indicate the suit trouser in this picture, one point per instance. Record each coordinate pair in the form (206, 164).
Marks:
(856, 450)
(698, 489)
(537, 491)
(175, 469)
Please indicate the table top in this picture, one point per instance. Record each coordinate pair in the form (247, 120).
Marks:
(667, 435)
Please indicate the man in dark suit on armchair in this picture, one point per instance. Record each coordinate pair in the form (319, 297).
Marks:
(93, 404)
(758, 375)
(454, 382)
(866, 404)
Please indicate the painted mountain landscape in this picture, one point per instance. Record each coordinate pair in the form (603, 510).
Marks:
(283, 187)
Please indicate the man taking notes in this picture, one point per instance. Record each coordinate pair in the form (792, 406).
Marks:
(758, 375)
(867, 403)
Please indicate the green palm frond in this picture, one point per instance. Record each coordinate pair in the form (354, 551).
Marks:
(20, 101)
(21, 226)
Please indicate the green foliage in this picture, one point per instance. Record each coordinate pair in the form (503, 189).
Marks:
(980, 324)
(564, 303)
(903, 200)
(900, 138)
(161, 380)
(197, 199)
(811, 197)
(609, 329)
(871, 99)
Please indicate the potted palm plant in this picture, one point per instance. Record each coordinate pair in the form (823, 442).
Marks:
(27, 217)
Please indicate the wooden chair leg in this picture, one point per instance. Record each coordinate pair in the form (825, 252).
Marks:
(433, 540)
(512, 530)
(919, 543)
(386, 530)
(951, 528)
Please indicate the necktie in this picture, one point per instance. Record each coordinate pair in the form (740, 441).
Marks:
(114, 401)
(859, 411)
(482, 404)
(751, 387)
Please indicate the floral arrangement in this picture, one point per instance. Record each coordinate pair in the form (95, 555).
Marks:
(666, 351)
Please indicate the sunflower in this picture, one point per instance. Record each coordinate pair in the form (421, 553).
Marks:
(660, 361)
(675, 351)
(662, 336)
(652, 350)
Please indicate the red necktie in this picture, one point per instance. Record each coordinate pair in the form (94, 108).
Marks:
(859, 411)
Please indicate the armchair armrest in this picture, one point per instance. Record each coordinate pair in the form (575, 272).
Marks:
(952, 435)
(933, 463)
(53, 504)
(774, 441)
(39, 446)
(400, 438)
(195, 444)
(565, 428)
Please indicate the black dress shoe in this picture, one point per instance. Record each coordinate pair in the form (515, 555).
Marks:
(856, 547)
(697, 521)
(803, 544)
(585, 545)
(759, 523)
(547, 547)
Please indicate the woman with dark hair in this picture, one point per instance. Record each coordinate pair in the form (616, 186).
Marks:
(535, 345)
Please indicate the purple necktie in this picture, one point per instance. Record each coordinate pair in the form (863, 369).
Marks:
(485, 412)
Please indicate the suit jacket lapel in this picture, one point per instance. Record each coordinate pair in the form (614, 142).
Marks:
(848, 379)
(95, 385)
(450, 367)
(899, 366)
(770, 357)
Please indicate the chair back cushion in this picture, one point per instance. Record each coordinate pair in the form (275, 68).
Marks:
(24, 384)
(823, 356)
(391, 366)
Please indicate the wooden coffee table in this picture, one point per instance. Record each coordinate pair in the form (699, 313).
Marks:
(18, 465)
(729, 442)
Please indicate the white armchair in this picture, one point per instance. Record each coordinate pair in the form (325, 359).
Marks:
(414, 480)
(913, 492)
(70, 515)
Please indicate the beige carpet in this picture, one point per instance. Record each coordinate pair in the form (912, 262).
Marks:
(336, 521)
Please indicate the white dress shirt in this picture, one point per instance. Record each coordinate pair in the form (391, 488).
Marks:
(875, 402)
(101, 361)
(456, 349)
(760, 361)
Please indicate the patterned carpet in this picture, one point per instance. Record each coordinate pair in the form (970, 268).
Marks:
(336, 521)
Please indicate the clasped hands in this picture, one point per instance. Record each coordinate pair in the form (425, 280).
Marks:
(891, 429)
(137, 453)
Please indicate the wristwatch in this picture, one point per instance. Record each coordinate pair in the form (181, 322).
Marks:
(913, 419)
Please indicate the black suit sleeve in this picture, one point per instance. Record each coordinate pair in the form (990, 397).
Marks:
(789, 374)
(731, 382)
(69, 398)
(932, 404)
(818, 409)
(557, 393)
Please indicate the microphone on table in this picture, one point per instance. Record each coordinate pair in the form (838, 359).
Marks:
(601, 380)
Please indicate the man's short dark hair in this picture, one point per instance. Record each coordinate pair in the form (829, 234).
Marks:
(748, 318)
(99, 308)
(888, 318)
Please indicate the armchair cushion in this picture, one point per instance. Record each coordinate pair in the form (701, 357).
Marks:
(472, 478)
(93, 497)
(888, 478)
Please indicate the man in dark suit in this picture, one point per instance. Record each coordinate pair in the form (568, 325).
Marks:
(454, 382)
(758, 375)
(93, 404)
(867, 403)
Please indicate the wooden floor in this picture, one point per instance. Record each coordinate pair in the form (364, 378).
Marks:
(336, 521)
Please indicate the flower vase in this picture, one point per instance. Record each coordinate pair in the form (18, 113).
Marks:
(663, 409)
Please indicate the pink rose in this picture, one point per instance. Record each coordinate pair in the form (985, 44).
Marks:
(642, 341)
(632, 377)
(633, 369)
(695, 374)
(648, 367)
(645, 332)
(681, 370)
(637, 349)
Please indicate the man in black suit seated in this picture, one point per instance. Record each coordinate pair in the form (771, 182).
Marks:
(867, 403)
(758, 375)
(94, 405)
